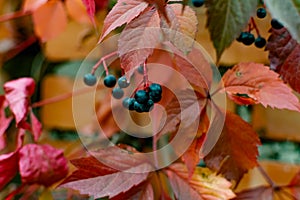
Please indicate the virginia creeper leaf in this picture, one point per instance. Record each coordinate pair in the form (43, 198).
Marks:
(181, 31)
(31, 5)
(294, 185)
(261, 192)
(49, 20)
(77, 11)
(236, 149)
(4, 121)
(161, 7)
(288, 13)
(8, 167)
(284, 56)
(42, 164)
(122, 13)
(261, 85)
(226, 20)
(17, 94)
(143, 191)
(204, 184)
(138, 39)
(36, 126)
(91, 9)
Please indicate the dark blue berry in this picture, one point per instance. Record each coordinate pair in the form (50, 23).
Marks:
(154, 87)
(110, 81)
(122, 82)
(89, 79)
(117, 93)
(150, 104)
(260, 42)
(276, 24)
(138, 107)
(141, 96)
(261, 13)
(155, 92)
(197, 3)
(248, 39)
(140, 69)
(128, 103)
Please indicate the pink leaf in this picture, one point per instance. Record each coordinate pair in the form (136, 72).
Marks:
(36, 126)
(42, 164)
(123, 12)
(8, 167)
(4, 121)
(17, 94)
(91, 9)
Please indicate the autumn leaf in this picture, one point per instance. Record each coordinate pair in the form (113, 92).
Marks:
(261, 192)
(226, 20)
(236, 149)
(161, 7)
(261, 85)
(77, 11)
(181, 31)
(110, 182)
(138, 39)
(288, 13)
(284, 56)
(36, 126)
(4, 121)
(42, 164)
(204, 184)
(49, 20)
(8, 167)
(32, 5)
(17, 94)
(122, 13)
(294, 185)
(91, 9)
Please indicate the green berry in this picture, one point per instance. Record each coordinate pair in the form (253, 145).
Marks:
(110, 81)
(260, 42)
(89, 79)
(117, 93)
(197, 3)
(261, 13)
(122, 82)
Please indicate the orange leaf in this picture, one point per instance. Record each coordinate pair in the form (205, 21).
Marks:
(236, 150)
(77, 11)
(204, 184)
(49, 20)
(31, 5)
(261, 85)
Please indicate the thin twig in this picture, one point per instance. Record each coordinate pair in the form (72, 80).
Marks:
(102, 60)
(266, 176)
(14, 15)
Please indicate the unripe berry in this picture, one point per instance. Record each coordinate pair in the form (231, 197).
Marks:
(117, 93)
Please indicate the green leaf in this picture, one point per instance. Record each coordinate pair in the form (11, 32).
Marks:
(226, 19)
(288, 13)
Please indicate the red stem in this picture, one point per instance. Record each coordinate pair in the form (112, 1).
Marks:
(14, 15)
(254, 26)
(146, 81)
(102, 60)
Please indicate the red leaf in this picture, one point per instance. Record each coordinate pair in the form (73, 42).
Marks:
(4, 121)
(295, 185)
(261, 192)
(203, 184)
(261, 85)
(101, 4)
(122, 13)
(49, 20)
(36, 127)
(91, 9)
(42, 164)
(138, 39)
(8, 167)
(161, 7)
(17, 94)
(284, 55)
(31, 5)
(236, 150)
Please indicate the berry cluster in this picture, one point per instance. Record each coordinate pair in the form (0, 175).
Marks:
(144, 100)
(248, 38)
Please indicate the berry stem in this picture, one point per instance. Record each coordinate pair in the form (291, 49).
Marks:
(102, 60)
(254, 26)
(146, 81)
(14, 15)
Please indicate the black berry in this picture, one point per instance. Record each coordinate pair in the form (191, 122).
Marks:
(155, 91)
(261, 13)
(248, 39)
(110, 81)
(128, 103)
(150, 104)
(197, 3)
(154, 87)
(260, 42)
(89, 79)
(276, 24)
(122, 82)
(117, 93)
(138, 107)
(241, 36)
(141, 96)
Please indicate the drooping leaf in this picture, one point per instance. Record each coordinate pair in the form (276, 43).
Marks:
(226, 19)
(31, 5)
(8, 167)
(42, 164)
(284, 56)
(236, 149)
(36, 126)
(204, 184)
(288, 13)
(138, 39)
(122, 13)
(182, 29)
(260, 85)
(17, 94)
(261, 192)
(49, 20)
(90, 9)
